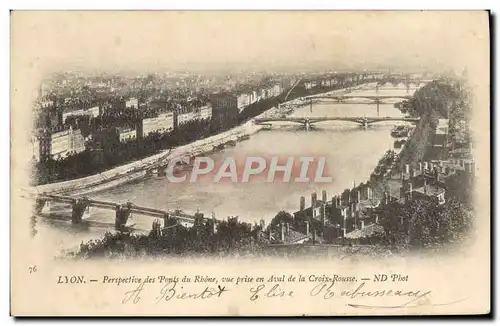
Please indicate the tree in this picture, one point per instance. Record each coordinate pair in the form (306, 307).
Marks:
(424, 218)
(281, 217)
(460, 188)
(394, 222)
(456, 221)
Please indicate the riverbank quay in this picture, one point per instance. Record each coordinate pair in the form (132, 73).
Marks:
(384, 220)
(137, 170)
(411, 190)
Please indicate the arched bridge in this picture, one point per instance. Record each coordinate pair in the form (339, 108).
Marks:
(341, 99)
(81, 209)
(308, 121)
(374, 98)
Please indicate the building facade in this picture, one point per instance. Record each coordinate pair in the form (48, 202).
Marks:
(126, 134)
(93, 112)
(224, 106)
(163, 123)
(206, 112)
(440, 142)
(185, 117)
(242, 101)
(57, 145)
(132, 103)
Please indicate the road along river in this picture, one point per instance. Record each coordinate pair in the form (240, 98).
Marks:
(351, 153)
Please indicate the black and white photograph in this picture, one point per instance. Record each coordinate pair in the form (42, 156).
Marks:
(338, 137)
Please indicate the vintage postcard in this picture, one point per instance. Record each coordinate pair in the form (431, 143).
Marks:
(250, 163)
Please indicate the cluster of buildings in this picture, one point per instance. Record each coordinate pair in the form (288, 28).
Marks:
(452, 143)
(57, 144)
(334, 81)
(153, 116)
(169, 120)
(60, 139)
(75, 114)
(94, 112)
(352, 215)
(229, 104)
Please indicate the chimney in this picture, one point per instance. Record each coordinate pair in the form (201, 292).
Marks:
(156, 227)
(302, 203)
(324, 196)
(307, 227)
(322, 213)
(407, 168)
(314, 198)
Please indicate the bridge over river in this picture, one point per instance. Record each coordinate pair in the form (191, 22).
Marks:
(346, 162)
(308, 121)
(81, 210)
(377, 99)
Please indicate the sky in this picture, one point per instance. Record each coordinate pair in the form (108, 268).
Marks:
(273, 40)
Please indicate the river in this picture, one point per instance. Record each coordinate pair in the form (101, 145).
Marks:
(351, 153)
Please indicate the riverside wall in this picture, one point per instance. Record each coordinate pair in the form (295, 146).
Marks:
(137, 170)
